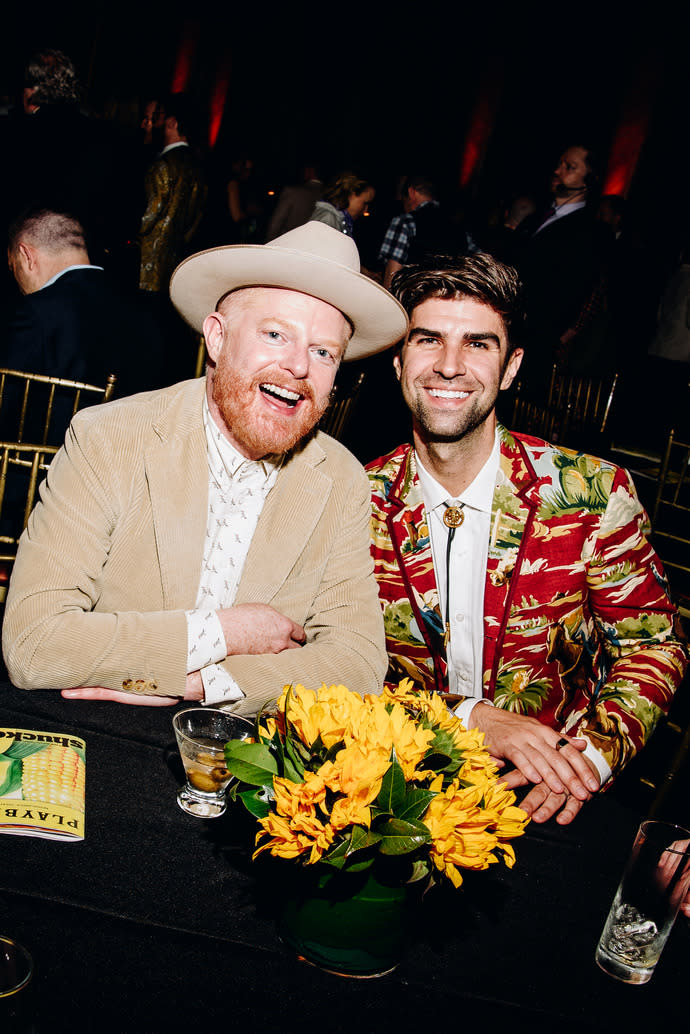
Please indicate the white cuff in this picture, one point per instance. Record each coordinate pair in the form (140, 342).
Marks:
(219, 685)
(464, 710)
(205, 639)
(598, 760)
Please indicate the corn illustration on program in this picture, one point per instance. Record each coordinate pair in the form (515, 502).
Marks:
(42, 784)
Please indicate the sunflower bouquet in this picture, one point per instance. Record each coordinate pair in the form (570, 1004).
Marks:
(347, 781)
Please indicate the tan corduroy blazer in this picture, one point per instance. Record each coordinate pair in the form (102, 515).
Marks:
(112, 556)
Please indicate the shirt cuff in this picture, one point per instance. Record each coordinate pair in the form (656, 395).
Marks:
(205, 639)
(219, 685)
(598, 760)
(464, 709)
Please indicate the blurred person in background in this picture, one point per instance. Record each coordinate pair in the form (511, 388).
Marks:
(175, 198)
(57, 156)
(296, 203)
(344, 200)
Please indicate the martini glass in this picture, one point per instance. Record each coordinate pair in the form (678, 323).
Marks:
(201, 734)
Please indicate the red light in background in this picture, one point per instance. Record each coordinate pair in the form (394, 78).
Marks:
(633, 126)
(481, 124)
(219, 96)
(185, 57)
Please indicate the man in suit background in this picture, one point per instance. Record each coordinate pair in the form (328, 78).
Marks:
(562, 267)
(201, 542)
(74, 321)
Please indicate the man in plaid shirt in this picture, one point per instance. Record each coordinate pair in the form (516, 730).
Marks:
(394, 251)
(421, 230)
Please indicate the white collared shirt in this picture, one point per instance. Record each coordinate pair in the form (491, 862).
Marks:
(67, 269)
(560, 211)
(169, 147)
(468, 560)
(237, 491)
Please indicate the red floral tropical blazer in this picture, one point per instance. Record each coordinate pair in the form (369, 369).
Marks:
(579, 628)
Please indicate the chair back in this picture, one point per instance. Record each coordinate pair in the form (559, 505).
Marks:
(671, 516)
(22, 468)
(340, 410)
(587, 399)
(542, 421)
(36, 407)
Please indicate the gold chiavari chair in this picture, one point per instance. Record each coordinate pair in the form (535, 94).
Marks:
(671, 518)
(339, 412)
(542, 421)
(36, 407)
(588, 401)
(22, 468)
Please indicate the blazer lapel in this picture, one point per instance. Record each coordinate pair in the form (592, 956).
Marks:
(177, 474)
(513, 509)
(411, 543)
(290, 515)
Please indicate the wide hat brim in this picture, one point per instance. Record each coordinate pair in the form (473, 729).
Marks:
(314, 259)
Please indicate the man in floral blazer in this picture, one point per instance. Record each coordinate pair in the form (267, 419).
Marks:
(578, 652)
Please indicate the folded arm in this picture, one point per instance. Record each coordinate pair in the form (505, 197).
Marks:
(86, 606)
(642, 643)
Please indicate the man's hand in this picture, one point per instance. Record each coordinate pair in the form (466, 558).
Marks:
(194, 691)
(562, 778)
(258, 628)
(542, 804)
(676, 866)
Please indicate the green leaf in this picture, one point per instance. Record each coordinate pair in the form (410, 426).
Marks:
(291, 772)
(351, 854)
(251, 763)
(421, 870)
(362, 838)
(437, 761)
(296, 762)
(416, 803)
(13, 777)
(393, 789)
(255, 804)
(400, 837)
(338, 856)
(24, 750)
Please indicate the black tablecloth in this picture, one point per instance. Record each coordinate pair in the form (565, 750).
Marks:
(158, 921)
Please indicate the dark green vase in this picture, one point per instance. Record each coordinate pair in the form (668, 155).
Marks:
(351, 925)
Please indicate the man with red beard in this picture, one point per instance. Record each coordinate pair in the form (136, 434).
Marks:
(204, 542)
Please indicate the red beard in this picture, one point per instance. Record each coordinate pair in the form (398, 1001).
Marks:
(258, 430)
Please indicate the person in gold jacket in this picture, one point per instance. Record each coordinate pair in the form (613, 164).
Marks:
(175, 197)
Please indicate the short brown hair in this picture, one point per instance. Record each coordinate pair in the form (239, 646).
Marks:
(45, 228)
(338, 192)
(477, 276)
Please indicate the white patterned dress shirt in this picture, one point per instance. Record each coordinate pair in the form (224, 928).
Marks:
(237, 491)
(468, 558)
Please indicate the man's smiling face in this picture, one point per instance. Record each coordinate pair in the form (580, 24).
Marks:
(452, 365)
(276, 354)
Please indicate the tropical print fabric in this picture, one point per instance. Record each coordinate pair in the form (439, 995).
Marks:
(579, 628)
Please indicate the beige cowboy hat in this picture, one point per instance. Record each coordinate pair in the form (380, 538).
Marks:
(314, 259)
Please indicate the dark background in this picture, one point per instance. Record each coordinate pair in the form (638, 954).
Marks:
(483, 96)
